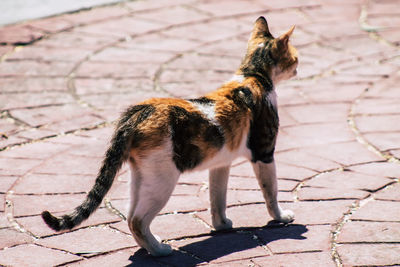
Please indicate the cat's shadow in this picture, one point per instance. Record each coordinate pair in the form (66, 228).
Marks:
(221, 244)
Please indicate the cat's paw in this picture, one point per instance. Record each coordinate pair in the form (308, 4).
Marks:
(162, 250)
(286, 216)
(224, 225)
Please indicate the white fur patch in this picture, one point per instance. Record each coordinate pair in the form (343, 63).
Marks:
(207, 110)
(237, 78)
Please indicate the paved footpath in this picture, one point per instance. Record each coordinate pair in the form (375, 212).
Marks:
(65, 79)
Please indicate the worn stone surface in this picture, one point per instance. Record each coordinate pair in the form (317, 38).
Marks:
(64, 81)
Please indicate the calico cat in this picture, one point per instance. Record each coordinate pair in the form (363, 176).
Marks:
(163, 137)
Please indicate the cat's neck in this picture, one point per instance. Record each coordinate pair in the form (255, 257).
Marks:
(264, 80)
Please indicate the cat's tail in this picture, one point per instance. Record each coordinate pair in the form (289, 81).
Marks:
(116, 154)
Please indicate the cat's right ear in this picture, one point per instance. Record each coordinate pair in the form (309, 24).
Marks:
(260, 29)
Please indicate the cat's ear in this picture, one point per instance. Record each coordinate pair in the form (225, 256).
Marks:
(260, 28)
(283, 40)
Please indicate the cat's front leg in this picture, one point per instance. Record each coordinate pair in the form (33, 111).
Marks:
(218, 180)
(266, 176)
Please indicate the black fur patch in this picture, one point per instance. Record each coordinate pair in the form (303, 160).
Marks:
(142, 112)
(202, 100)
(186, 128)
(263, 133)
(256, 67)
(145, 112)
(243, 97)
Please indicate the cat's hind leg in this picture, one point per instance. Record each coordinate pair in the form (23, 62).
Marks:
(266, 176)
(218, 182)
(152, 186)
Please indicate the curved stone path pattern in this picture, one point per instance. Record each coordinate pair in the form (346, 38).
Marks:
(64, 80)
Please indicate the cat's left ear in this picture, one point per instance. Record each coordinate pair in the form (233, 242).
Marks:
(260, 29)
(283, 40)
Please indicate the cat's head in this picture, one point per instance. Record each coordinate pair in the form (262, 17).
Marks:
(269, 56)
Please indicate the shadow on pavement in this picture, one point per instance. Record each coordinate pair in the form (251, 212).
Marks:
(220, 244)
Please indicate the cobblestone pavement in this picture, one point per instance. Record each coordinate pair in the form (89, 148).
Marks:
(65, 79)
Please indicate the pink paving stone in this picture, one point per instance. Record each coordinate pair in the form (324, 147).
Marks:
(369, 254)
(35, 68)
(2, 206)
(222, 247)
(199, 62)
(386, 169)
(116, 70)
(118, 258)
(296, 238)
(16, 84)
(185, 204)
(73, 39)
(12, 140)
(40, 150)
(19, 34)
(6, 182)
(96, 14)
(236, 7)
(348, 180)
(51, 25)
(37, 226)
(5, 49)
(174, 15)
(377, 106)
(363, 232)
(184, 189)
(89, 241)
(204, 32)
(236, 197)
(31, 256)
(28, 100)
(71, 165)
(132, 26)
(118, 102)
(36, 134)
(117, 54)
(241, 183)
(11, 166)
(85, 121)
(300, 158)
(288, 171)
(243, 170)
(119, 190)
(10, 237)
(237, 263)
(313, 135)
(319, 113)
(158, 42)
(378, 211)
(97, 86)
(255, 215)
(347, 153)
(3, 219)
(313, 259)
(390, 193)
(372, 124)
(334, 92)
(313, 193)
(383, 141)
(25, 205)
(172, 226)
(49, 54)
(180, 76)
(318, 212)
